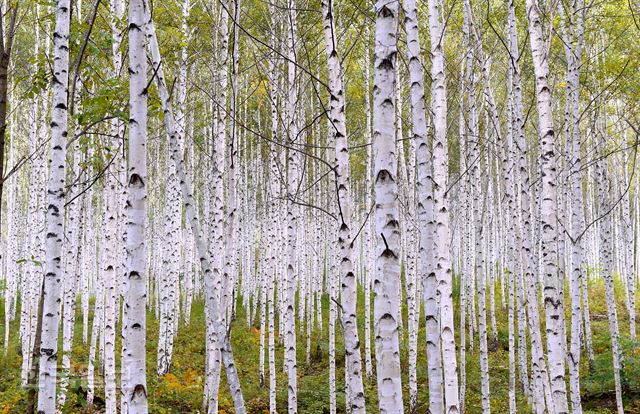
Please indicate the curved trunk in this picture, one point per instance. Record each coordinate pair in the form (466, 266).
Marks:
(219, 328)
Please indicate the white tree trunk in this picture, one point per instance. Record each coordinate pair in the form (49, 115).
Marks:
(72, 262)
(573, 41)
(540, 392)
(552, 300)
(441, 207)
(183, 125)
(55, 208)
(604, 201)
(368, 227)
(465, 253)
(109, 285)
(512, 343)
(387, 277)
(513, 239)
(424, 208)
(293, 182)
(348, 299)
(98, 314)
(134, 380)
(274, 192)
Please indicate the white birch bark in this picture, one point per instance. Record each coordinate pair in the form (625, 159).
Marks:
(220, 284)
(604, 204)
(512, 343)
(34, 212)
(330, 259)
(441, 206)
(368, 227)
(231, 227)
(479, 189)
(574, 38)
(263, 313)
(86, 271)
(481, 288)
(424, 206)
(387, 277)
(513, 239)
(72, 260)
(465, 242)
(402, 191)
(539, 390)
(10, 242)
(587, 322)
(552, 301)
(293, 182)
(95, 332)
(134, 381)
(522, 214)
(71, 271)
(55, 204)
(274, 192)
(109, 284)
(187, 134)
(348, 298)
(168, 277)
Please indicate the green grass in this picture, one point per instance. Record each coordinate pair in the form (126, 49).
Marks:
(180, 391)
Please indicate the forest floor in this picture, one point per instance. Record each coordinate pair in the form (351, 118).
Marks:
(181, 390)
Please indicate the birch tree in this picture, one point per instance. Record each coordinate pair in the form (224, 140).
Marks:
(540, 379)
(424, 206)
(293, 181)
(348, 298)
(387, 276)
(604, 203)
(134, 380)
(442, 254)
(548, 210)
(51, 288)
(574, 38)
